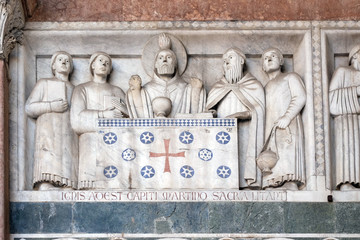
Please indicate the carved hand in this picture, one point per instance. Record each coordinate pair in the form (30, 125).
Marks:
(196, 83)
(112, 113)
(283, 122)
(59, 105)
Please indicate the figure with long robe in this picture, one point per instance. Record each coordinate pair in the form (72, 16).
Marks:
(167, 82)
(56, 144)
(344, 95)
(242, 97)
(90, 101)
(285, 98)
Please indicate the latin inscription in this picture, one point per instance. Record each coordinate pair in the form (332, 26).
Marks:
(173, 196)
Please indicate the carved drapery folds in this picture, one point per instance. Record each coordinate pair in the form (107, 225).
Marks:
(175, 137)
(344, 92)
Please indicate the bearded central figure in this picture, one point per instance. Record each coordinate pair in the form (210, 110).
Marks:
(167, 82)
(241, 97)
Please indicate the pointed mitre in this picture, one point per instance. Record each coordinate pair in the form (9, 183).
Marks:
(164, 42)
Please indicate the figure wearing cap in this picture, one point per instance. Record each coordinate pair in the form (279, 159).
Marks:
(344, 95)
(90, 101)
(241, 96)
(170, 63)
(56, 144)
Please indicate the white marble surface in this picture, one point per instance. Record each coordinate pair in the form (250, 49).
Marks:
(167, 154)
(293, 39)
(184, 195)
(126, 49)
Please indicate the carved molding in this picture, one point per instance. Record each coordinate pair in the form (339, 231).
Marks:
(12, 20)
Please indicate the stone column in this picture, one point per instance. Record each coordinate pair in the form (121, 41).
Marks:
(4, 166)
(11, 21)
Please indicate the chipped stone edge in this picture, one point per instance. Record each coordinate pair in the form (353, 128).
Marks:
(155, 25)
(191, 235)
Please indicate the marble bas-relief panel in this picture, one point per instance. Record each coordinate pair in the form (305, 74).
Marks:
(341, 79)
(203, 51)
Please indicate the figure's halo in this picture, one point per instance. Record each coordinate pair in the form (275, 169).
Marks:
(152, 48)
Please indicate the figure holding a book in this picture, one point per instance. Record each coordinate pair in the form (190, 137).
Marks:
(56, 144)
(90, 101)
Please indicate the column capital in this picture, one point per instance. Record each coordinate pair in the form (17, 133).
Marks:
(12, 20)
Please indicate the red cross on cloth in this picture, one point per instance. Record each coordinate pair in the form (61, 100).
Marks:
(167, 155)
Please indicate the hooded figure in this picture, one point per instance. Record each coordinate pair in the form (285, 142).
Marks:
(242, 97)
(345, 109)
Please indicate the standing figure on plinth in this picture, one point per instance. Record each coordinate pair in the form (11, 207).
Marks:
(137, 99)
(285, 98)
(56, 144)
(241, 97)
(90, 101)
(345, 109)
(170, 63)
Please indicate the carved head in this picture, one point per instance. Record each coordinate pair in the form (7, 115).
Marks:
(100, 64)
(233, 63)
(61, 62)
(135, 82)
(165, 63)
(165, 60)
(354, 57)
(272, 60)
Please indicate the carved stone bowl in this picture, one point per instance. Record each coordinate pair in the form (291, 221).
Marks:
(266, 161)
(161, 106)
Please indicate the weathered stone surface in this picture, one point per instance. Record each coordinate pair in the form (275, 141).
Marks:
(155, 10)
(40, 218)
(172, 218)
(246, 217)
(310, 218)
(177, 218)
(114, 217)
(140, 218)
(346, 213)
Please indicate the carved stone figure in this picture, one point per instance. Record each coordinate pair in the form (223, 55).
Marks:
(56, 144)
(166, 82)
(242, 97)
(92, 100)
(138, 100)
(345, 109)
(285, 98)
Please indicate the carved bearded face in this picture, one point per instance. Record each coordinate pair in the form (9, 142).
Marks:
(165, 63)
(62, 64)
(272, 61)
(101, 65)
(233, 66)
